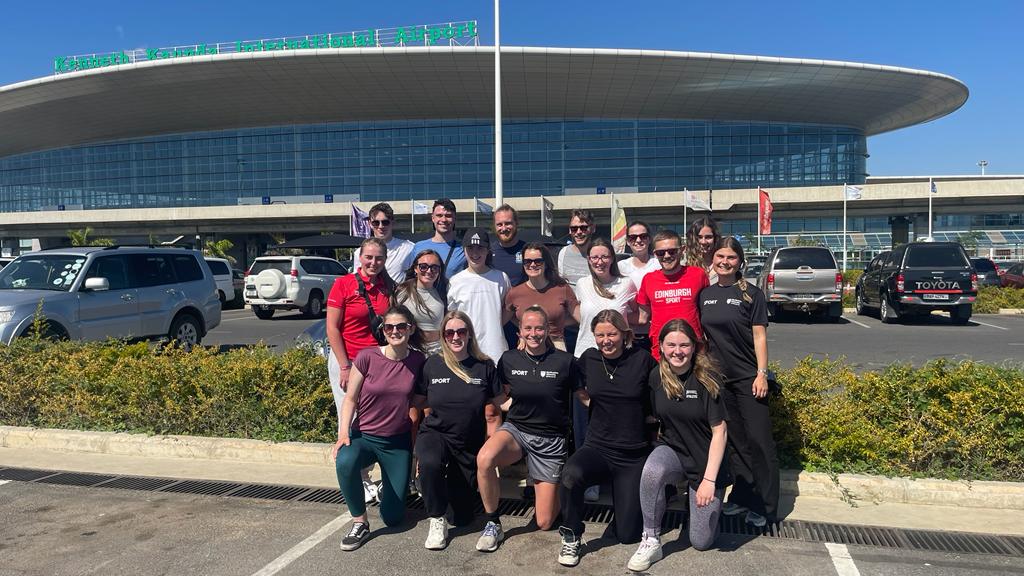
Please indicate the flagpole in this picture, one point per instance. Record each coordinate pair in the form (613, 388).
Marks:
(611, 221)
(758, 223)
(686, 198)
(930, 209)
(474, 211)
(844, 226)
(499, 196)
(412, 216)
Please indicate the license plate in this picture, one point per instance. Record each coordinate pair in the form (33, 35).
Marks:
(935, 296)
(803, 296)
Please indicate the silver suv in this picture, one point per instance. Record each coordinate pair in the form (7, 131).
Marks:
(113, 292)
(803, 278)
(290, 282)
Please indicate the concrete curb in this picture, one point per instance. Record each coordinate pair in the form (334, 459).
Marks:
(1011, 311)
(861, 488)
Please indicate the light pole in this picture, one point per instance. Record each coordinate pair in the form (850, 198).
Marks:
(982, 163)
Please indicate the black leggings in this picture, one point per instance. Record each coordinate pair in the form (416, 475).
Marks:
(591, 466)
(752, 458)
(447, 476)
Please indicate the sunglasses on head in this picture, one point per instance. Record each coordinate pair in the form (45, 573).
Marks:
(533, 261)
(634, 237)
(450, 333)
(423, 267)
(400, 327)
(583, 228)
(379, 223)
(671, 252)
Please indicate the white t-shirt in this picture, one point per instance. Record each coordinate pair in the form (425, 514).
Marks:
(636, 274)
(399, 258)
(481, 297)
(591, 303)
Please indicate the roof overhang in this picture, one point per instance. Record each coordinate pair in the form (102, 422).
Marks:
(225, 91)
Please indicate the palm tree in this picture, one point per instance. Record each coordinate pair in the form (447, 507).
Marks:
(81, 238)
(219, 249)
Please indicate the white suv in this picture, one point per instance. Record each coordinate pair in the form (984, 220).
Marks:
(290, 282)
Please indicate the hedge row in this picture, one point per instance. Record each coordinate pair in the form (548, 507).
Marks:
(947, 420)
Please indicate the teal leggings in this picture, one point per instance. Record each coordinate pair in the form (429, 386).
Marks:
(394, 455)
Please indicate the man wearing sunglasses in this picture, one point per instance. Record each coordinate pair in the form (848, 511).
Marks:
(672, 292)
(443, 241)
(382, 223)
(572, 260)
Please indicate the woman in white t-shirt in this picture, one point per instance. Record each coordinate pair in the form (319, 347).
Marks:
(606, 289)
(638, 238)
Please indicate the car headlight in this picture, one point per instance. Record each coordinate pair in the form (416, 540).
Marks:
(6, 316)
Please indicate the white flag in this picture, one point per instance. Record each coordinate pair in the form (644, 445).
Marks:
(484, 208)
(853, 193)
(547, 210)
(934, 189)
(420, 208)
(692, 201)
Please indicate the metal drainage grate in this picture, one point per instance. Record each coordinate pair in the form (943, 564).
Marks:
(24, 474)
(137, 483)
(1015, 542)
(76, 479)
(268, 492)
(324, 496)
(956, 542)
(845, 534)
(200, 487)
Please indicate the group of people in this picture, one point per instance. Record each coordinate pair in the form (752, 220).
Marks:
(452, 359)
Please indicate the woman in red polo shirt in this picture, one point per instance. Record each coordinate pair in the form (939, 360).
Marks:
(348, 319)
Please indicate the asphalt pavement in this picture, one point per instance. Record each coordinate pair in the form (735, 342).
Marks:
(862, 340)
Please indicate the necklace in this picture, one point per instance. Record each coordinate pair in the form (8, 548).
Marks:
(536, 363)
(610, 375)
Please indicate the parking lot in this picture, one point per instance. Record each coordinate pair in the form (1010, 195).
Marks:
(863, 340)
(64, 530)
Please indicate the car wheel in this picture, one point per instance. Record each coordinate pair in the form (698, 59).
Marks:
(186, 331)
(773, 311)
(223, 298)
(862, 306)
(48, 331)
(263, 313)
(961, 314)
(886, 313)
(315, 307)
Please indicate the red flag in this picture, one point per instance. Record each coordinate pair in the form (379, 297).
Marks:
(766, 208)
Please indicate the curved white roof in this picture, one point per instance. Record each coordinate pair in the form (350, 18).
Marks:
(356, 84)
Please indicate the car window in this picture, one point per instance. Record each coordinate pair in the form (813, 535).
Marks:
(334, 268)
(42, 272)
(217, 267)
(237, 274)
(285, 266)
(114, 268)
(983, 265)
(187, 269)
(796, 257)
(311, 266)
(1016, 269)
(152, 269)
(935, 256)
(890, 259)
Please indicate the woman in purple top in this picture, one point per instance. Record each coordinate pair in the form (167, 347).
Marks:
(375, 424)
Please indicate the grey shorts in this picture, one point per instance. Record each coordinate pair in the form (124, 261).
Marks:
(545, 455)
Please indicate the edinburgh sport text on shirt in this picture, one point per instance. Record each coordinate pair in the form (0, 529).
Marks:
(672, 296)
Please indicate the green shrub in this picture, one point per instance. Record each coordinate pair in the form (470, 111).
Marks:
(945, 419)
(850, 277)
(992, 298)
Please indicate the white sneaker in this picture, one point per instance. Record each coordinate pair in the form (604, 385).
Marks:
(730, 509)
(569, 553)
(369, 491)
(490, 538)
(648, 553)
(437, 537)
(592, 494)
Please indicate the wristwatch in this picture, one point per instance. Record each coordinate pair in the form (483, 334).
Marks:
(762, 371)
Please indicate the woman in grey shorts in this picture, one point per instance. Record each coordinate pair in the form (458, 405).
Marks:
(539, 382)
(686, 401)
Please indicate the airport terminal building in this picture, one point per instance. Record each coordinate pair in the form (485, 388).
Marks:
(241, 138)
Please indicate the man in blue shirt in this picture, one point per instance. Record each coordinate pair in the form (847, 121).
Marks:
(443, 241)
(508, 252)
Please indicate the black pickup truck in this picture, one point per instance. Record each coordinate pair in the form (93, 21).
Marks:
(914, 279)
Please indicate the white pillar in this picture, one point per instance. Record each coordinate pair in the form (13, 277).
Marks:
(499, 195)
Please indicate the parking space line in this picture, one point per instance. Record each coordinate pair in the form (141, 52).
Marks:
(306, 545)
(841, 560)
(858, 323)
(2, 482)
(990, 325)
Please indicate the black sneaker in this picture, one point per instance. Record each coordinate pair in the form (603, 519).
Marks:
(357, 536)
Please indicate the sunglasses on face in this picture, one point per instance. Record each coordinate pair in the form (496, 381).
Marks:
(670, 252)
(533, 262)
(584, 228)
(379, 223)
(450, 333)
(635, 237)
(428, 267)
(400, 327)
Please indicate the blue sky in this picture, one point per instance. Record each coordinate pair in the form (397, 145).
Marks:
(978, 43)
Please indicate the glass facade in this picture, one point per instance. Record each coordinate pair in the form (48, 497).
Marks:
(398, 160)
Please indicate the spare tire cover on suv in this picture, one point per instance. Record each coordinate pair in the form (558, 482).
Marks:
(270, 283)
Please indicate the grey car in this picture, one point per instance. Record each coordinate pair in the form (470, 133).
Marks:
(112, 292)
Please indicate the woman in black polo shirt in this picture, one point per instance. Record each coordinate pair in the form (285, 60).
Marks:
(686, 402)
(456, 386)
(615, 375)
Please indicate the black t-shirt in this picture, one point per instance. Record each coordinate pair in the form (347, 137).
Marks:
(686, 425)
(457, 406)
(620, 398)
(728, 322)
(510, 261)
(541, 389)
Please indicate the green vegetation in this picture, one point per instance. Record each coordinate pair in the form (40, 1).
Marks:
(81, 238)
(219, 249)
(945, 419)
(992, 298)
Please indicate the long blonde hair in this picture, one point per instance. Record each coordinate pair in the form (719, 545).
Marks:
(704, 366)
(471, 345)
